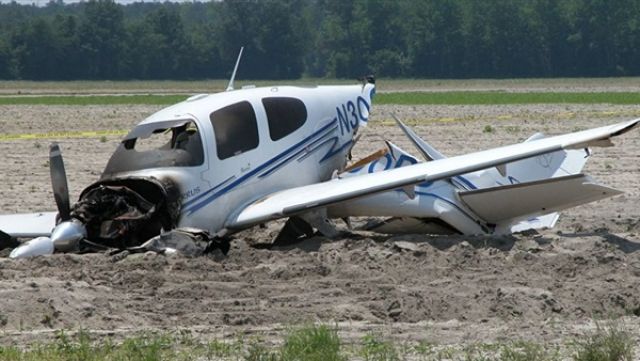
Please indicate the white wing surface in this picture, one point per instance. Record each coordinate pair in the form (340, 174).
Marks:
(300, 199)
(28, 225)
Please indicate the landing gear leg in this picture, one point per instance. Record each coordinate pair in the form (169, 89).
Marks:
(294, 230)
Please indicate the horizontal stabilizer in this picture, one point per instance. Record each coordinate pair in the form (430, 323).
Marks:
(28, 225)
(499, 204)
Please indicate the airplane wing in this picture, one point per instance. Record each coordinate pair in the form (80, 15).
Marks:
(28, 225)
(297, 200)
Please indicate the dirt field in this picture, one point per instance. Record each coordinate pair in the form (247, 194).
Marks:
(547, 287)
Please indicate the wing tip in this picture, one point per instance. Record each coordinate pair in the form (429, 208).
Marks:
(625, 127)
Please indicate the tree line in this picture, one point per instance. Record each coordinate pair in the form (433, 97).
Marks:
(285, 39)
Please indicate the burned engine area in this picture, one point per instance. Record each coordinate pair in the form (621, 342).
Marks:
(126, 212)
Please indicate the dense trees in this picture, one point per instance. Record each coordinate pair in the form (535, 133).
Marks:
(284, 39)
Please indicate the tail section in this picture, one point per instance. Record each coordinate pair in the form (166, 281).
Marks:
(521, 195)
(528, 194)
(550, 165)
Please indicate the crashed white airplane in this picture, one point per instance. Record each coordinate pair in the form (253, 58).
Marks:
(215, 164)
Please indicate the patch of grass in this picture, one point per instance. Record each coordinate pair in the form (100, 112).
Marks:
(384, 84)
(156, 99)
(222, 350)
(109, 87)
(512, 129)
(312, 343)
(527, 351)
(26, 87)
(488, 129)
(424, 348)
(374, 348)
(509, 351)
(82, 347)
(608, 343)
(498, 97)
(399, 98)
(257, 351)
(480, 352)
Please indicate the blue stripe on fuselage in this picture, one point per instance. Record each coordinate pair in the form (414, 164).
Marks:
(295, 154)
(210, 197)
(466, 182)
(333, 151)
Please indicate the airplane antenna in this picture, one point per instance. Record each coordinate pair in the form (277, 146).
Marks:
(235, 69)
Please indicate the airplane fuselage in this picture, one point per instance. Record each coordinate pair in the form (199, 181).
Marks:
(253, 142)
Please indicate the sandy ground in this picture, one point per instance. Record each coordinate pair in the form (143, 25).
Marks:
(546, 287)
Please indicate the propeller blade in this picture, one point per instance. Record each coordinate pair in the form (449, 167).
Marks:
(59, 182)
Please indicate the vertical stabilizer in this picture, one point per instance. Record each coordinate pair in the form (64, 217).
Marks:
(550, 165)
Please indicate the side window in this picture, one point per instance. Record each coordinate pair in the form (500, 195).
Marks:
(235, 128)
(285, 115)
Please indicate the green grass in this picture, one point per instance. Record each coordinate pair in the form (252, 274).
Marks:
(498, 97)
(82, 347)
(527, 351)
(399, 98)
(384, 84)
(611, 343)
(488, 129)
(315, 343)
(155, 99)
(375, 348)
(309, 343)
(312, 343)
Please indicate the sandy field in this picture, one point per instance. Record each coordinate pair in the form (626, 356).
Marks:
(549, 286)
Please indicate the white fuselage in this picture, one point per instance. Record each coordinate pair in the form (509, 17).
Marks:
(304, 153)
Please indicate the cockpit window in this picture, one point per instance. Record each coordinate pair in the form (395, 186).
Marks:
(236, 129)
(285, 115)
(160, 144)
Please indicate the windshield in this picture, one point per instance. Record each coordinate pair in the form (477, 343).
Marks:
(160, 144)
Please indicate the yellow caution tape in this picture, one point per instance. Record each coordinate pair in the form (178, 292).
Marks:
(62, 135)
